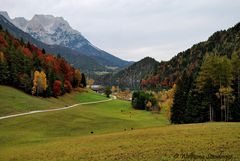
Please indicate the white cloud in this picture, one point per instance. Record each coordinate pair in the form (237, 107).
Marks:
(137, 28)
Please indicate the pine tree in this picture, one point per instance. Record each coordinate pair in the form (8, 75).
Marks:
(180, 99)
(83, 80)
(43, 51)
(235, 109)
(4, 73)
(215, 74)
(199, 104)
(108, 91)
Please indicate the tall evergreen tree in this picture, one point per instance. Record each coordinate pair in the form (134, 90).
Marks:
(83, 80)
(215, 75)
(199, 105)
(4, 73)
(178, 108)
(235, 109)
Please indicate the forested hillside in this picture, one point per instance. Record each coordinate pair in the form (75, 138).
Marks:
(208, 88)
(131, 76)
(207, 78)
(214, 95)
(25, 66)
(224, 42)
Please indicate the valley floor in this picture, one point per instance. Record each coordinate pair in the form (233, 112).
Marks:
(113, 131)
(210, 141)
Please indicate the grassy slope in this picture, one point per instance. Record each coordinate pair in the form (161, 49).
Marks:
(215, 141)
(100, 118)
(47, 128)
(65, 136)
(15, 101)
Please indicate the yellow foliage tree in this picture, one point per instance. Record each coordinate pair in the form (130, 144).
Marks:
(165, 100)
(170, 94)
(149, 105)
(113, 89)
(78, 76)
(90, 82)
(39, 82)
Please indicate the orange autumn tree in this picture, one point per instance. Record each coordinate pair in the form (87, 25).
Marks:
(77, 78)
(39, 83)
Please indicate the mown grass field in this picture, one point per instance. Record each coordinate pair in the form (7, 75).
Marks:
(118, 133)
(14, 101)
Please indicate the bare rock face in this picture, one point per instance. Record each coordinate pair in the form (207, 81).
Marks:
(57, 31)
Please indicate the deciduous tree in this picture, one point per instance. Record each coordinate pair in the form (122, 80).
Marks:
(57, 85)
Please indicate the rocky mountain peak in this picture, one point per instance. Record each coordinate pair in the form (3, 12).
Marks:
(20, 22)
(57, 31)
(5, 14)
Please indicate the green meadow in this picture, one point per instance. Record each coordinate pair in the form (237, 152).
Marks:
(15, 101)
(108, 131)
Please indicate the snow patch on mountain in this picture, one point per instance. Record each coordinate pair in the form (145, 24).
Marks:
(51, 30)
(57, 31)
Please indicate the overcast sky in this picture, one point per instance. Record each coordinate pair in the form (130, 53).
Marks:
(133, 29)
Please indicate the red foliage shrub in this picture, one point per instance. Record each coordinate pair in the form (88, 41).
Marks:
(3, 42)
(144, 82)
(152, 81)
(26, 52)
(39, 53)
(67, 70)
(57, 85)
(16, 43)
(33, 48)
(49, 59)
(67, 86)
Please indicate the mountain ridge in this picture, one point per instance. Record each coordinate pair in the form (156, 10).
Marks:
(57, 31)
(77, 59)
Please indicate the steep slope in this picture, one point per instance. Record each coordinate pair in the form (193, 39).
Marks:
(167, 73)
(131, 76)
(31, 69)
(77, 59)
(224, 42)
(57, 31)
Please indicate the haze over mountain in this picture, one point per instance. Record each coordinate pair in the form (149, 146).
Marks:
(57, 31)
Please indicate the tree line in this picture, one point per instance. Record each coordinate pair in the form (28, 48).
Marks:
(25, 66)
(213, 94)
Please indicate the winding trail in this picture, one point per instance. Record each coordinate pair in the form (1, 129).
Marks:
(56, 109)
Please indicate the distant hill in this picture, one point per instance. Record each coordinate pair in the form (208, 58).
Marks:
(131, 76)
(57, 31)
(221, 43)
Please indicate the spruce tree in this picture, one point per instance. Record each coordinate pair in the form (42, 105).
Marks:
(178, 108)
(4, 73)
(235, 109)
(83, 80)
